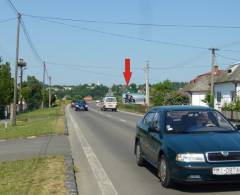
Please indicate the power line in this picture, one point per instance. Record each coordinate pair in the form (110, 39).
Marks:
(134, 23)
(29, 40)
(82, 69)
(12, 6)
(7, 20)
(124, 36)
(88, 66)
(228, 58)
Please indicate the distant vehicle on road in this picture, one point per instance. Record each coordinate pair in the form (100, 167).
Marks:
(81, 105)
(189, 144)
(73, 103)
(109, 103)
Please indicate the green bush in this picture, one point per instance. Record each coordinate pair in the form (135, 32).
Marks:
(231, 107)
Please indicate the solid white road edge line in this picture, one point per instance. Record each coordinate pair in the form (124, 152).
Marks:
(104, 183)
(131, 113)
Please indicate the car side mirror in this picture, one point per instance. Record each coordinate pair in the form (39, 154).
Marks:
(153, 129)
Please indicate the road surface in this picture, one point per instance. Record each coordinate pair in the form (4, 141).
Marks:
(102, 146)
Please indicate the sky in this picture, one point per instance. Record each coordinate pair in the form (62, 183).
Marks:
(78, 52)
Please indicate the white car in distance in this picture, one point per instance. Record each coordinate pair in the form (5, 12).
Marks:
(109, 103)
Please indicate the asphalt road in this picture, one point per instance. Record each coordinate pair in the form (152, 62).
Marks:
(102, 146)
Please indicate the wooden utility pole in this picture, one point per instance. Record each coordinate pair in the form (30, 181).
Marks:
(50, 92)
(213, 70)
(146, 69)
(43, 85)
(21, 65)
(14, 108)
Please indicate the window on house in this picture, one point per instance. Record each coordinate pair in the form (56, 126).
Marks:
(233, 96)
(219, 96)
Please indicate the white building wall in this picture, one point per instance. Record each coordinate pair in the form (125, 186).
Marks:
(197, 98)
(238, 89)
(226, 94)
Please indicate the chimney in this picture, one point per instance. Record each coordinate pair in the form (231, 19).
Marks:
(216, 69)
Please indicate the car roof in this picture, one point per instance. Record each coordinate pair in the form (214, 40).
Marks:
(180, 107)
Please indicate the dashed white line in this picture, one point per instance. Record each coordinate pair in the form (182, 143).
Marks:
(124, 121)
(104, 183)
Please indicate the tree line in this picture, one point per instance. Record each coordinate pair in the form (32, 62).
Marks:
(32, 92)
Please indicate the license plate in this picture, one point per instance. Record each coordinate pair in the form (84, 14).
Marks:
(226, 171)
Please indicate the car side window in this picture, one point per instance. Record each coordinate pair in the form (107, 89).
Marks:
(149, 118)
(156, 121)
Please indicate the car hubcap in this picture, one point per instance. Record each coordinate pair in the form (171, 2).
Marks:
(163, 170)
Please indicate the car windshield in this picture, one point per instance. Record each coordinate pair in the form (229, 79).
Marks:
(196, 121)
(111, 99)
(81, 102)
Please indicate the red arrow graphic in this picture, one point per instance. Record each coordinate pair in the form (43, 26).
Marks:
(127, 74)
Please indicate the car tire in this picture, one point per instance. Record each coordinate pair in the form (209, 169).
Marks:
(164, 172)
(138, 153)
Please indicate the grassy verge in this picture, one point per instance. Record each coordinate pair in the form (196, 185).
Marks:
(35, 176)
(132, 108)
(36, 123)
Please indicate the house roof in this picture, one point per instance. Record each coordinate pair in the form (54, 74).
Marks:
(202, 82)
(232, 74)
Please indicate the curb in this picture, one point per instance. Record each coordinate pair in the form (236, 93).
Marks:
(70, 180)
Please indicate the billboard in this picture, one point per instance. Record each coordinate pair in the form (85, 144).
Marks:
(133, 98)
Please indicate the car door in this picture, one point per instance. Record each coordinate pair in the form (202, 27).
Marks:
(154, 138)
(143, 132)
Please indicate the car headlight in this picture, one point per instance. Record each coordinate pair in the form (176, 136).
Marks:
(190, 157)
(86, 106)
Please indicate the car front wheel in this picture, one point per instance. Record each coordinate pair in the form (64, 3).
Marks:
(139, 157)
(164, 172)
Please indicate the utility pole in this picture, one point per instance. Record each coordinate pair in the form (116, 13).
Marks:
(213, 69)
(14, 107)
(146, 70)
(50, 92)
(43, 85)
(21, 65)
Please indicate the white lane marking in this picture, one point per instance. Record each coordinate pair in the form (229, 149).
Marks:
(31, 137)
(104, 183)
(131, 113)
(124, 121)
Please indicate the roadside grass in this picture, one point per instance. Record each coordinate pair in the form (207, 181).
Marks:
(45, 175)
(40, 122)
(132, 108)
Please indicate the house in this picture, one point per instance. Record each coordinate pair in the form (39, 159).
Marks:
(200, 86)
(227, 87)
(88, 98)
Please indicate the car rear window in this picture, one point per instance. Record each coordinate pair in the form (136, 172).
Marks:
(111, 99)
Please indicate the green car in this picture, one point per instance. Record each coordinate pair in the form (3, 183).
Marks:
(188, 144)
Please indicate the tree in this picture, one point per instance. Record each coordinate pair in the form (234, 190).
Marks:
(6, 87)
(167, 93)
(159, 91)
(176, 98)
(209, 100)
(32, 92)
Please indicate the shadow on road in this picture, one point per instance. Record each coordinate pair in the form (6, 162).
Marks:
(200, 188)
